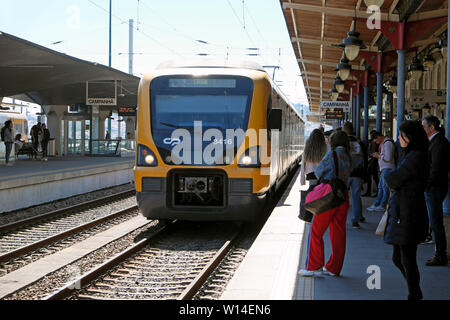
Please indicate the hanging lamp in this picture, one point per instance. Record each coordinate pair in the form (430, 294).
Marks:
(377, 3)
(352, 44)
(344, 69)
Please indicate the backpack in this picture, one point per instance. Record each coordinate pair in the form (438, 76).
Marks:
(3, 133)
(396, 151)
(357, 154)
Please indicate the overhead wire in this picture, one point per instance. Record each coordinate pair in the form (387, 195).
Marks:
(135, 28)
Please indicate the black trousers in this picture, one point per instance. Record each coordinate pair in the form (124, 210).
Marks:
(405, 259)
(44, 145)
(435, 198)
(372, 171)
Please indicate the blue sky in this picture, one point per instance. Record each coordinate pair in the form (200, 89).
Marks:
(167, 30)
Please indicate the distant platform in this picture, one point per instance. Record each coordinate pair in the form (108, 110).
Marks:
(33, 182)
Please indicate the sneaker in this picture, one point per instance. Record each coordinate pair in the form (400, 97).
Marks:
(428, 240)
(356, 225)
(328, 273)
(379, 208)
(362, 220)
(437, 261)
(310, 273)
(372, 207)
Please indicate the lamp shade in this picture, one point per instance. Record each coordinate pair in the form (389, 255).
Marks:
(428, 62)
(339, 84)
(392, 85)
(378, 3)
(344, 73)
(415, 69)
(352, 44)
(334, 94)
(344, 69)
(351, 51)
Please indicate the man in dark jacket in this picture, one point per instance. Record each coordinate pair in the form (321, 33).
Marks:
(359, 165)
(437, 186)
(34, 132)
(44, 142)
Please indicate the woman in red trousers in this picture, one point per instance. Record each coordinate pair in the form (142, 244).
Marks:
(334, 218)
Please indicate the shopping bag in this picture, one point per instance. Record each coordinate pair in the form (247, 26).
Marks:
(303, 214)
(382, 224)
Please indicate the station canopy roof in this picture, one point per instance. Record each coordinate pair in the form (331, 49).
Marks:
(317, 26)
(40, 75)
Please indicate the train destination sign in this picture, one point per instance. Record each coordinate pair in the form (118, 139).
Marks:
(127, 111)
(335, 114)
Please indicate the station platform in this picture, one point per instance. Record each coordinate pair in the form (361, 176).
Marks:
(269, 271)
(33, 182)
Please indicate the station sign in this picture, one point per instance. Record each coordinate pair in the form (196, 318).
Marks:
(345, 105)
(101, 101)
(127, 111)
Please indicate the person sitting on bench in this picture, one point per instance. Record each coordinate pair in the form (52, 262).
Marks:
(22, 147)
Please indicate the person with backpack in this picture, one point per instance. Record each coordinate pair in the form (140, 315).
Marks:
(8, 139)
(386, 156)
(437, 186)
(334, 218)
(359, 164)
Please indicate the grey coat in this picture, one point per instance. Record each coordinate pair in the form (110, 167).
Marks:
(9, 135)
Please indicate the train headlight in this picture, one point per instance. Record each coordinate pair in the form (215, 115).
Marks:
(250, 158)
(149, 159)
(146, 157)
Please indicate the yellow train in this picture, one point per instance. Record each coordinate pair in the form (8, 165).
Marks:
(20, 123)
(213, 141)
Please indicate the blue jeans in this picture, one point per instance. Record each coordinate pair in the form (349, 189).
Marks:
(434, 199)
(383, 190)
(8, 146)
(355, 188)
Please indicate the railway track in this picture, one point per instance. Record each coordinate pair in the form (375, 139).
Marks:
(173, 264)
(25, 236)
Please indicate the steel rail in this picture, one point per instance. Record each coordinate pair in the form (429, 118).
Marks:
(57, 212)
(197, 283)
(83, 280)
(44, 242)
(95, 273)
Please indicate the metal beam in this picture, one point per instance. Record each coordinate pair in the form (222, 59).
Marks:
(325, 75)
(339, 11)
(326, 63)
(328, 43)
(428, 15)
(320, 79)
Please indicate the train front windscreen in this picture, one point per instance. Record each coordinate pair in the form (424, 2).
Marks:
(194, 105)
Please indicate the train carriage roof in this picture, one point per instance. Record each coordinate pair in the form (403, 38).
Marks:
(211, 63)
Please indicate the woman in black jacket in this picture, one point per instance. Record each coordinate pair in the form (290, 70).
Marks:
(407, 224)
